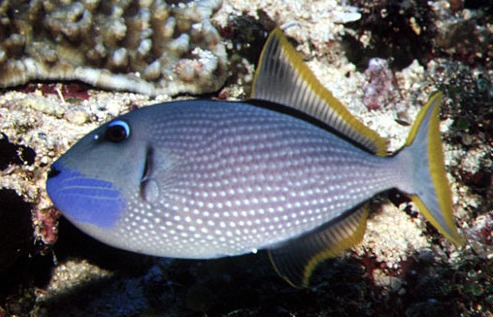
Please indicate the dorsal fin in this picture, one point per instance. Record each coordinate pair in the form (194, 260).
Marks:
(283, 78)
(295, 260)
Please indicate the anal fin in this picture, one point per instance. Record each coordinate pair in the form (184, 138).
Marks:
(296, 259)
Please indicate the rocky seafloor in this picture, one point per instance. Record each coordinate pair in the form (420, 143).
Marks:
(382, 59)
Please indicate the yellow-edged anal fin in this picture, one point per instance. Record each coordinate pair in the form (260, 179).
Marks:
(283, 78)
(436, 201)
(295, 260)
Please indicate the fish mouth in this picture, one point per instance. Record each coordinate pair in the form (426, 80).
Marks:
(53, 171)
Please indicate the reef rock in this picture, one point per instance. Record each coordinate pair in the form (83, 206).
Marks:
(143, 46)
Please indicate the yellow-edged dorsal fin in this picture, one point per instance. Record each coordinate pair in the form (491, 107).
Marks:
(283, 78)
(295, 260)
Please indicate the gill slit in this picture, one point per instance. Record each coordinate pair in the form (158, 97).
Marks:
(147, 171)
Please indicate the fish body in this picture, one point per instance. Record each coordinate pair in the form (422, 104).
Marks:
(208, 179)
(289, 171)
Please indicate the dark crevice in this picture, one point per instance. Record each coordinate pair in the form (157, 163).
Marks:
(15, 227)
(14, 154)
(393, 35)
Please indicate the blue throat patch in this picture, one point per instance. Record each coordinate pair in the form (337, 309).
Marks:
(85, 199)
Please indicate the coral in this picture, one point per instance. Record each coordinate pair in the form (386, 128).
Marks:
(390, 221)
(399, 31)
(402, 267)
(46, 225)
(14, 211)
(14, 154)
(467, 35)
(379, 88)
(138, 46)
(294, 17)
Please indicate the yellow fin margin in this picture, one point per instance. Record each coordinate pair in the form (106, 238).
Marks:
(296, 260)
(436, 170)
(298, 88)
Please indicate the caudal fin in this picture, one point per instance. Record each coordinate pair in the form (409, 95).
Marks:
(429, 188)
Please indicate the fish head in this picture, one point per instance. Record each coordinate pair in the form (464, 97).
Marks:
(92, 182)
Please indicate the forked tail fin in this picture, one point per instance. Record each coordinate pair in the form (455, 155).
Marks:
(429, 188)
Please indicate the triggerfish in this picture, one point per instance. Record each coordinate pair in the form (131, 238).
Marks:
(290, 170)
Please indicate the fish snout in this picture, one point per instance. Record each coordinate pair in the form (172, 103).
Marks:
(84, 198)
(54, 171)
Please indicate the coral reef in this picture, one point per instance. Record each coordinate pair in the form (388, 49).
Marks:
(403, 267)
(148, 47)
(465, 35)
(379, 88)
(399, 31)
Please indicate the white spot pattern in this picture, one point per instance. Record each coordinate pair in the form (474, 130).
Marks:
(240, 178)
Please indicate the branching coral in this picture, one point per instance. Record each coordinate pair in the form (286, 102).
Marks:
(132, 45)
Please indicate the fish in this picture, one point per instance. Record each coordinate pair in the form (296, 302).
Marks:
(289, 170)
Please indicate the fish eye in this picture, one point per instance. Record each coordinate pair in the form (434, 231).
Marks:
(117, 131)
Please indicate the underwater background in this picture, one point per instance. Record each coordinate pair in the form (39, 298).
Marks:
(68, 66)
